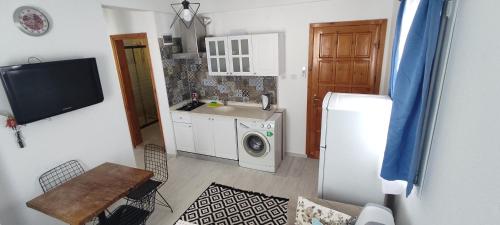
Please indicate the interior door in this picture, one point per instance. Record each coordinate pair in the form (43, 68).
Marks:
(240, 58)
(128, 96)
(203, 135)
(343, 57)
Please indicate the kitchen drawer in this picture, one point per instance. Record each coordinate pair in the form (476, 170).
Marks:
(180, 117)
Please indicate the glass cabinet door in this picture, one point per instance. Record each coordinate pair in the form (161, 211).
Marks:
(240, 57)
(217, 56)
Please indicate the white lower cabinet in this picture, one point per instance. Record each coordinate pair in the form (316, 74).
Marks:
(184, 137)
(203, 135)
(215, 136)
(224, 130)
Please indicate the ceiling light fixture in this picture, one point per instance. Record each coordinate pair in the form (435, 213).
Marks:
(185, 12)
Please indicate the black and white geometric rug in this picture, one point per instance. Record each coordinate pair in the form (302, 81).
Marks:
(221, 205)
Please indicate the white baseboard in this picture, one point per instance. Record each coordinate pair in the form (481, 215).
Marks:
(292, 154)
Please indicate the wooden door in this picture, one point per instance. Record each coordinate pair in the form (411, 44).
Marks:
(117, 42)
(343, 57)
(128, 96)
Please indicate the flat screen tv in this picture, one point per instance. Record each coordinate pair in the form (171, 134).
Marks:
(41, 90)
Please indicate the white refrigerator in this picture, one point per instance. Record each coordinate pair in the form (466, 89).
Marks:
(353, 137)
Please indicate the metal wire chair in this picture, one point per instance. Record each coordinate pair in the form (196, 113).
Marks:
(155, 160)
(60, 174)
(134, 212)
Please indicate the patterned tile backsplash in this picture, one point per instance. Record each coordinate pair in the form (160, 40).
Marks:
(184, 76)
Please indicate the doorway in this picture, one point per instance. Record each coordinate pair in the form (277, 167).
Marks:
(133, 63)
(343, 57)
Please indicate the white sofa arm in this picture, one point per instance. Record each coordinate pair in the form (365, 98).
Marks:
(373, 214)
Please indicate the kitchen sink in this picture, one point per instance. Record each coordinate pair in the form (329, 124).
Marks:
(224, 108)
(190, 106)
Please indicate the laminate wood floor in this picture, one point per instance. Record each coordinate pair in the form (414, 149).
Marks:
(189, 177)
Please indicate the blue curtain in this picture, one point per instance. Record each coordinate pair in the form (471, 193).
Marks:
(409, 92)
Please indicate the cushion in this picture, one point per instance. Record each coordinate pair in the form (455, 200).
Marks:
(126, 214)
(310, 213)
(315, 221)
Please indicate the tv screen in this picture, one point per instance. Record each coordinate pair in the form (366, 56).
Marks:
(41, 90)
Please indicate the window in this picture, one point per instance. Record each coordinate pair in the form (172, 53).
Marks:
(409, 13)
(419, 61)
(439, 73)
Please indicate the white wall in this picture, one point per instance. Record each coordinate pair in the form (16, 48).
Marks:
(93, 134)
(462, 181)
(293, 20)
(123, 21)
(146, 5)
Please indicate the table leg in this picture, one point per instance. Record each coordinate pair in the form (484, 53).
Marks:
(102, 218)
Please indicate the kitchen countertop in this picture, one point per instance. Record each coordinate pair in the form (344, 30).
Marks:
(251, 111)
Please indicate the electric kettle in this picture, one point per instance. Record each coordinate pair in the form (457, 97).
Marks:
(266, 101)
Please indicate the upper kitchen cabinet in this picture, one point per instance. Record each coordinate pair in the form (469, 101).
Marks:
(266, 58)
(244, 55)
(217, 56)
(240, 55)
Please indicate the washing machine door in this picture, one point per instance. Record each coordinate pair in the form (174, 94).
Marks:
(255, 144)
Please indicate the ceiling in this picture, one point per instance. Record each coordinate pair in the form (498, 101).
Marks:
(207, 6)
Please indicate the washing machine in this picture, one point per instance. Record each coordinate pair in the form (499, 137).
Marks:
(260, 143)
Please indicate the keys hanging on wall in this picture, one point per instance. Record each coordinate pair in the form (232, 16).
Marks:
(12, 124)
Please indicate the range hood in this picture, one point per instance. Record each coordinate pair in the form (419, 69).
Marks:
(193, 40)
(189, 55)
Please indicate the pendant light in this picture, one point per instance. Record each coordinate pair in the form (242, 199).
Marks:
(186, 14)
(185, 11)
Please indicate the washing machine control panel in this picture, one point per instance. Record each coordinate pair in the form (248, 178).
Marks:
(258, 125)
(267, 126)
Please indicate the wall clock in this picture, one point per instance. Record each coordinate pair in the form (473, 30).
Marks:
(31, 20)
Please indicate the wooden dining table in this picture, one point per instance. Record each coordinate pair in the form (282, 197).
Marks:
(86, 196)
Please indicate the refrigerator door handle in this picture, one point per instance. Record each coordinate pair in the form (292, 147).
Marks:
(324, 120)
